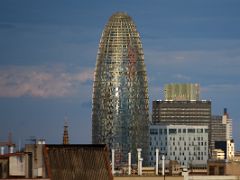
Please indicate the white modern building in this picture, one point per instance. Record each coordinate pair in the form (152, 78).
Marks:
(185, 144)
(230, 149)
(218, 154)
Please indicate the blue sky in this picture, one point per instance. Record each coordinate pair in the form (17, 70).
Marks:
(48, 55)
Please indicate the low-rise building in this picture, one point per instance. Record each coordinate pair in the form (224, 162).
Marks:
(223, 167)
(218, 154)
(182, 143)
(228, 147)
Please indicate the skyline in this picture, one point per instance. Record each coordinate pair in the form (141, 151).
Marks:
(49, 50)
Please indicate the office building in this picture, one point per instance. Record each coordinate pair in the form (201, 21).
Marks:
(183, 143)
(220, 129)
(181, 112)
(228, 147)
(120, 116)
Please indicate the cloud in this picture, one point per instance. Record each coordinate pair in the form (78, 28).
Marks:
(182, 77)
(42, 81)
(221, 88)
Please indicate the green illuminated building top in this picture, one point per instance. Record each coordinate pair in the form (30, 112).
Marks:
(181, 92)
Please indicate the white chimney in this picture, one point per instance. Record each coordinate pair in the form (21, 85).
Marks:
(11, 149)
(139, 157)
(129, 163)
(2, 150)
(140, 165)
(163, 165)
(157, 152)
(113, 161)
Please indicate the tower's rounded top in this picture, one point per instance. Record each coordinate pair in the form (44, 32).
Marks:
(119, 15)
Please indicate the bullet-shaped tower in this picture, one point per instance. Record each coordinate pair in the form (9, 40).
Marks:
(120, 114)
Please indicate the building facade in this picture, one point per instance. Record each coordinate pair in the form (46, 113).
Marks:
(228, 147)
(220, 129)
(181, 112)
(186, 144)
(181, 92)
(120, 116)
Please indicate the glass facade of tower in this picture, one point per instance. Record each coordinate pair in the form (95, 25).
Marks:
(120, 116)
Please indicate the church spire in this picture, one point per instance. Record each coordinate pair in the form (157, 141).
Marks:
(65, 133)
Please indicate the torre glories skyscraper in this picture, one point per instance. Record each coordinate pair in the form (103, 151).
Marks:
(120, 114)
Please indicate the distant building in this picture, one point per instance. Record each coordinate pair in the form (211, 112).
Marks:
(218, 154)
(181, 112)
(223, 167)
(228, 147)
(120, 112)
(36, 159)
(220, 129)
(181, 92)
(57, 162)
(14, 165)
(185, 144)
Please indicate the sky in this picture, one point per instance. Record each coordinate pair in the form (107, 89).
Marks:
(48, 54)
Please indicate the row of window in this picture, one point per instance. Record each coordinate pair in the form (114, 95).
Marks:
(179, 159)
(175, 131)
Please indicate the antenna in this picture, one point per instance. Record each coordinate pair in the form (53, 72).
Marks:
(9, 144)
(19, 145)
(32, 139)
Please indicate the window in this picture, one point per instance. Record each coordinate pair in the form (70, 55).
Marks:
(191, 130)
(154, 131)
(172, 131)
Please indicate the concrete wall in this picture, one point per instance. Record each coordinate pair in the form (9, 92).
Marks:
(177, 178)
(26, 179)
(214, 177)
(17, 166)
(148, 178)
(233, 168)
